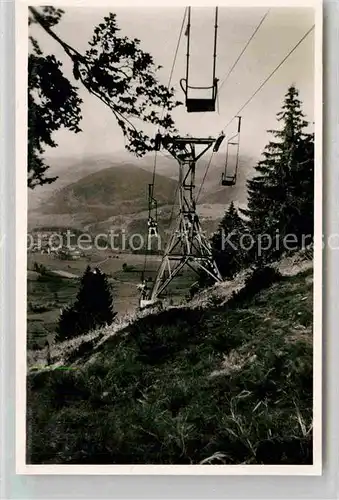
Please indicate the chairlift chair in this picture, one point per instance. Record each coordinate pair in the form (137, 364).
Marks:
(157, 141)
(200, 105)
(152, 212)
(142, 288)
(226, 178)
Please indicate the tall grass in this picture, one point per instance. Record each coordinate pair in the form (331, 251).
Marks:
(229, 384)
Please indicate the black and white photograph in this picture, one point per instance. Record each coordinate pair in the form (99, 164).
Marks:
(170, 282)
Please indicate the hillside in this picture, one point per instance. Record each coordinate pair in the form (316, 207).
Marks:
(111, 191)
(94, 190)
(68, 170)
(227, 380)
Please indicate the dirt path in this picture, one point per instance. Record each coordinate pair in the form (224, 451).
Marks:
(64, 274)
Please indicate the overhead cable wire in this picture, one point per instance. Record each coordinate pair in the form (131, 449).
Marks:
(204, 178)
(254, 94)
(162, 114)
(169, 82)
(243, 50)
(270, 76)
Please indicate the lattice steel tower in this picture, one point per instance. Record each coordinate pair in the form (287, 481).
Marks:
(187, 245)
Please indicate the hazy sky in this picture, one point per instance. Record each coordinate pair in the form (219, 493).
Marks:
(158, 30)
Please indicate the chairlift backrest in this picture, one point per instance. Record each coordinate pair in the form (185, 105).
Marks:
(229, 180)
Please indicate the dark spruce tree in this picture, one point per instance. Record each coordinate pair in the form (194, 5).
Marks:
(281, 195)
(227, 243)
(227, 250)
(92, 308)
(114, 68)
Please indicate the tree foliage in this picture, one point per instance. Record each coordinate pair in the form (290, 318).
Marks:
(227, 243)
(114, 68)
(92, 308)
(52, 103)
(281, 195)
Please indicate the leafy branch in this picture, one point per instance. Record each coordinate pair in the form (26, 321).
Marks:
(116, 70)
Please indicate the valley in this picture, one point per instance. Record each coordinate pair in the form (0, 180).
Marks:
(98, 197)
(56, 284)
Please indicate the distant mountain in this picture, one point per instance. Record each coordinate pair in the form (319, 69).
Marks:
(94, 190)
(68, 170)
(72, 169)
(112, 191)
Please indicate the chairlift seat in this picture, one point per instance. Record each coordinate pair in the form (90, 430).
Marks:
(200, 105)
(229, 180)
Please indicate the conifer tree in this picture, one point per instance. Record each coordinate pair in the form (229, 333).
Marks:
(92, 308)
(226, 243)
(280, 196)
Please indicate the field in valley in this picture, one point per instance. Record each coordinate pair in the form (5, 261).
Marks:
(48, 293)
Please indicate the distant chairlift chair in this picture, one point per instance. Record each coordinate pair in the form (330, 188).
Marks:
(152, 212)
(228, 179)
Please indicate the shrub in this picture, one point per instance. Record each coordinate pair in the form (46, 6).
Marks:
(257, 280)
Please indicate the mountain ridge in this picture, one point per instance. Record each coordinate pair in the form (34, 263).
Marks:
(101, 193)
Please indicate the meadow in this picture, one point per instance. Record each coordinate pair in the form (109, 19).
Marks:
(48, 293)
(226, 384)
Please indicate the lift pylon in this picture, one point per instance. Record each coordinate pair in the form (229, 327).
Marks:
(187, 246)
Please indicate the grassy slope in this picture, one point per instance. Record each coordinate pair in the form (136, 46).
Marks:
(229, 382)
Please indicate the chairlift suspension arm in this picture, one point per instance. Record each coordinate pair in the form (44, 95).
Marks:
(188, 46)
(215, 44)
(187, 245)
(238, 146)
(239, 124)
